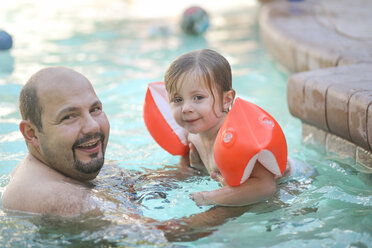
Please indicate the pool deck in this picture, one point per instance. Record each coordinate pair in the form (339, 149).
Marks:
(327, 45)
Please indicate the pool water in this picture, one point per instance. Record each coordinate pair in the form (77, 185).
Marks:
(121, 46)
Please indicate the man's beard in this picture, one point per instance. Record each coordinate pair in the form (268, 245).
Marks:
(96, 163)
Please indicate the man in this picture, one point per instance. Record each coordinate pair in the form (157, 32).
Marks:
(66, 133)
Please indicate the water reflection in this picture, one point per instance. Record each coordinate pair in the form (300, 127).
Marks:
(6, 63)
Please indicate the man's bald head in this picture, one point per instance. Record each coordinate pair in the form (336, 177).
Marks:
(30, 104)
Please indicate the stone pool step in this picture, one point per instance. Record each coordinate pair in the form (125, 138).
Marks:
(337, 101)
(333, 103)
(312, 34)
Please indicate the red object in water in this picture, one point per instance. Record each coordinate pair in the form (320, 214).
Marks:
(249, 134)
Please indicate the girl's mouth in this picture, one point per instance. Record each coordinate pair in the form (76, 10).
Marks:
(191, 120)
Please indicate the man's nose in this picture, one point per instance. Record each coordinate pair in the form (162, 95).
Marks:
(90, 124)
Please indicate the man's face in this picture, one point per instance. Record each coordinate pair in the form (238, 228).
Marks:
(75, 129)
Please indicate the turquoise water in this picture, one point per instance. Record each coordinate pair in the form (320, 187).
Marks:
(121, 46)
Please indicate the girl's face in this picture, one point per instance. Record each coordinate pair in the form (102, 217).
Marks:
(193, 107)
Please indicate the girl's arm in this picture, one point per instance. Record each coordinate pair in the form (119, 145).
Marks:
(259, 186)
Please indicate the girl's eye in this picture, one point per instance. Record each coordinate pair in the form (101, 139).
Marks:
(198, 97)
(177, 99)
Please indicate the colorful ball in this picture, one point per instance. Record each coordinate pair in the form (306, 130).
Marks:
(195, 20)
(6, 41)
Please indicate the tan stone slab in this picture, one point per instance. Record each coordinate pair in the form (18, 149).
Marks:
(323, 98)
(337, 105)
(296, 89)
(307, 99)
(333, 103)
(315, 101)
(360, 119)
(342, 147)
(280, 37)
(364, 160)
(369, 126)
(349, 19)
(308, 35)
(354, 56)
(312, 134)
(317, 58)
(295, 94)
(361, 158)
(270, 37)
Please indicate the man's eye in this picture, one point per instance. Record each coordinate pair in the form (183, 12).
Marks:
(66, 117)
(96, 110)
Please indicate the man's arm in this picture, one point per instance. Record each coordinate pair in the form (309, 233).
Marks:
(198, 225)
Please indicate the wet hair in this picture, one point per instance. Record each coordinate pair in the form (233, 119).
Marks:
(205, 65)
(29, 104)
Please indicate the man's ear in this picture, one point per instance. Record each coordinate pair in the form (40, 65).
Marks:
(29, 133)
(228, 98)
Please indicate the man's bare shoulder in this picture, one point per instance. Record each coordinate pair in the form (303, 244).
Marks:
(61, 198)
(38, 190)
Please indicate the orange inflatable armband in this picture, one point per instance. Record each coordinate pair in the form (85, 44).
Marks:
(249, 134)
(160, 122)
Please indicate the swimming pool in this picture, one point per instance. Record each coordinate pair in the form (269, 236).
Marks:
(120, 49)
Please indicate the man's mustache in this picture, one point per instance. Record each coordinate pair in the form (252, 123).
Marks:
(88, 137)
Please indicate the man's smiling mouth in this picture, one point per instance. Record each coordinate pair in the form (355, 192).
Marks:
(90, 147)
(89, 144)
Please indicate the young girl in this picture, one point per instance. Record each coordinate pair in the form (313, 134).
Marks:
(199, 86)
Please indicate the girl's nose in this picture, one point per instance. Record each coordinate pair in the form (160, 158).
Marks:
(187, 107)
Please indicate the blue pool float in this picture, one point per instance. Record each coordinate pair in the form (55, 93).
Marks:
(6, 41)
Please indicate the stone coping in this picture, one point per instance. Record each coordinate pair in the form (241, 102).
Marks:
(336, 100)
(313, 34)
(309, 36)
